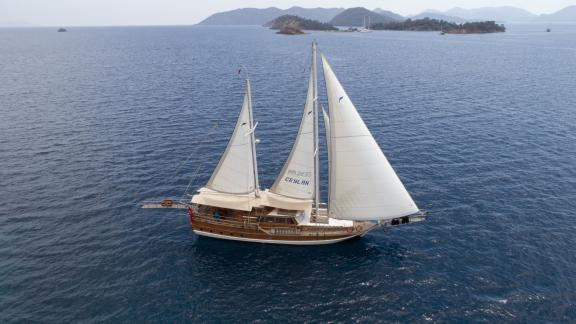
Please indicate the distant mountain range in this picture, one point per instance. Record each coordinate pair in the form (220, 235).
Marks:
(361, 16)
(567, 14)
(438, 16)
(355, 16)
(387, 13)
(510, 14)
(492, 13)
(253, 16)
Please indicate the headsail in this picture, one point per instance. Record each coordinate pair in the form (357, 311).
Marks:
(236, 172)
(297, 178)
(363, 185)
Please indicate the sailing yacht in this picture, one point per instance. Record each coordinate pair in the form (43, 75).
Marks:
(364, 191)
(365, 26)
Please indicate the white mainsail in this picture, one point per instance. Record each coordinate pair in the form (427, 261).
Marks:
(363, 185)
(298, 176)
(296, 179)
(237, 171)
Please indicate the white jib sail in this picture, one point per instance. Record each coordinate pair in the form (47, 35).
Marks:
(236, 172)
(296, 179)
(363, 185)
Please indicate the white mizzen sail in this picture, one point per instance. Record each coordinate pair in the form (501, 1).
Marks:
(363, 185)
(237, 171)
(296, 180)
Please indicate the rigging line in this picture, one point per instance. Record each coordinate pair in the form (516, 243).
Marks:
(192, 180)
(206, 139)
(209, 137)
(179, 167)
(194, 176)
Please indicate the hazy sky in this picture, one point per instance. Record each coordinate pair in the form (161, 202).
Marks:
(176, 12)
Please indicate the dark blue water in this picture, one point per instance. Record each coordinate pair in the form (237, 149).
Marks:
(481, 129)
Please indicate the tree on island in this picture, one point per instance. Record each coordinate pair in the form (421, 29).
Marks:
(295, 22)
(427, 24)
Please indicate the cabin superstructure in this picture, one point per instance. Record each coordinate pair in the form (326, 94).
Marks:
(364, 190)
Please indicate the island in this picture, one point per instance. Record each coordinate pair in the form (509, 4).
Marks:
(293, 25)
(290, 29)
(443, 26)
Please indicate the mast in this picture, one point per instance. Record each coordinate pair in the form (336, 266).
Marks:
(316, 155)
(328, 144)
(252, 139)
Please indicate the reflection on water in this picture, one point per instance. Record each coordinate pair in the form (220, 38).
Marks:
(359, 252)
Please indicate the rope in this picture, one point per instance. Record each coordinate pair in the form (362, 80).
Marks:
(199, 167)
(194, 176)
(209, 136)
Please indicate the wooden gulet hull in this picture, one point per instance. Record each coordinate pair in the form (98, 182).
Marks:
(277, 240)
(276, 233)
(252, 226)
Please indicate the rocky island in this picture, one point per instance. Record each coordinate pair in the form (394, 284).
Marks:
(290, 29)
(293, 25)
(427, 24)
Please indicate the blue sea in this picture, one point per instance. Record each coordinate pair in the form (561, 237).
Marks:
(480, 128)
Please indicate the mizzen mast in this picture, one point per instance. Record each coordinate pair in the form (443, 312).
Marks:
(253, 139)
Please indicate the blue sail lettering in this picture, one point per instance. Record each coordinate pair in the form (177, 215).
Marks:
(297, 181)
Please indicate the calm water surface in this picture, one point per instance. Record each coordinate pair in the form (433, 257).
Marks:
(481, 129)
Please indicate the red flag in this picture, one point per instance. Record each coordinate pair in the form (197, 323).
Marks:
(191, 215)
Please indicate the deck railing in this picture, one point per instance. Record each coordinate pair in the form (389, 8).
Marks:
(272, 229)
(247, 223)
